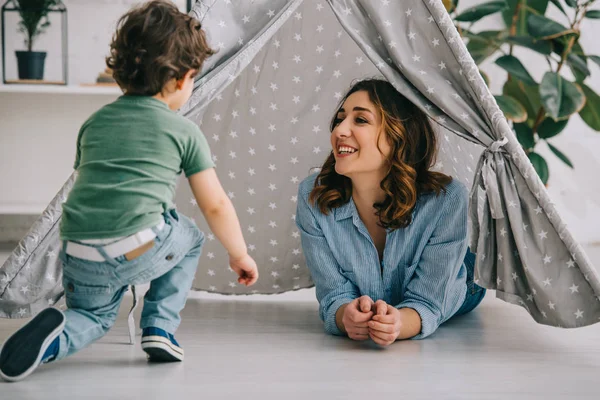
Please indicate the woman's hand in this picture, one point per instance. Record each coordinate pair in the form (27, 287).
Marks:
(356, 315)
(385, 326)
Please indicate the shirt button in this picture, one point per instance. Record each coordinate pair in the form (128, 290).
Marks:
(70, 287)
(169, 257)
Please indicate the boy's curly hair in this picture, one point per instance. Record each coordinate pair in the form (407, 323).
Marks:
(153, 44)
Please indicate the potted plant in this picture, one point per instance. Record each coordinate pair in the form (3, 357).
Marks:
(538, 110)
(34, 21)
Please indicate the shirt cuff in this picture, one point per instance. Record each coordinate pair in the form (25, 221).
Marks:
(429, 321)
(330, 324)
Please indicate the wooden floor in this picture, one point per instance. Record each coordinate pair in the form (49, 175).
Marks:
(273, 347)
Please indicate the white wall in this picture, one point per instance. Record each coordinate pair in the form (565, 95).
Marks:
(37, 132)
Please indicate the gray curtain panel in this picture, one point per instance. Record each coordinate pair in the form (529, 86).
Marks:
(264, 102)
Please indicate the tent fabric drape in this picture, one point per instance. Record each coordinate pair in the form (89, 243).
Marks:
(264, 102)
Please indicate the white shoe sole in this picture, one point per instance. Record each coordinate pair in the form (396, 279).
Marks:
(25, 338)
(160, 348)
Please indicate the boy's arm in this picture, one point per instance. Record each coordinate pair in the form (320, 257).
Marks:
(218, 211)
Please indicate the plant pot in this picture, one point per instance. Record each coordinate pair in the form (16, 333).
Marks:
(31, 64)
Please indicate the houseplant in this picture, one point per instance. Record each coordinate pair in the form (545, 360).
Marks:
(34, 21)
(538, 110)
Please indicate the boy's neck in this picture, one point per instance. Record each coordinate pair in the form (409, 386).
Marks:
(166, 99)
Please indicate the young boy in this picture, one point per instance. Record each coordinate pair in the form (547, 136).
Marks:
(119, 225)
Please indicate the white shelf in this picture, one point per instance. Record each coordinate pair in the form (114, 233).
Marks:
(61, 89)
(26, 209)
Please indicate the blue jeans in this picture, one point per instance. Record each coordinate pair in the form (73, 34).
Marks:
(475, 293)
(94, 290)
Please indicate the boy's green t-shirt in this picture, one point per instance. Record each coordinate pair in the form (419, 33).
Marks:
(129, 155)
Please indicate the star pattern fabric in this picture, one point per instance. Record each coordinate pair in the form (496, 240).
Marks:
(264, 102)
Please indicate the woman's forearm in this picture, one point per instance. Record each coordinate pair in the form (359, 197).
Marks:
(339, 315)
(411, 323)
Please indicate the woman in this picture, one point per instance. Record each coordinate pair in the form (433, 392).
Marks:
(385, 238)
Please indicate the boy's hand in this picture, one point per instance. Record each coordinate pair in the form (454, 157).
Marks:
(246, 269)
(384, 327)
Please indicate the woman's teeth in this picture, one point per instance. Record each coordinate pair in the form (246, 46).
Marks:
(346, 150)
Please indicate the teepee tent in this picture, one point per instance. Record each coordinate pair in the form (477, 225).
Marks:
(264, 102)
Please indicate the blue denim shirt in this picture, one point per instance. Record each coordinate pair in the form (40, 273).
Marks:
(423, 264)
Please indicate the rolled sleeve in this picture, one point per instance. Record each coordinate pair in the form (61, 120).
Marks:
(437, 290)
(333, 289)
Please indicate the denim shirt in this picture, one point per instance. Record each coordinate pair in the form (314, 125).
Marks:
(423, 264)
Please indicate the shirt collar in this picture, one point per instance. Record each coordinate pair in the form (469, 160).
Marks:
(345, 211)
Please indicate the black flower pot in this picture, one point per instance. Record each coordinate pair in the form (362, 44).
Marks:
(31, 64)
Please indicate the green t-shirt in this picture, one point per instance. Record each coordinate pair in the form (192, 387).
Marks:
(129, 155)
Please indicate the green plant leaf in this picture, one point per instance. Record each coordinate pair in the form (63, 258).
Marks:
(514, 67)
(571, 3)
(483, 44)
(544, 28)
(560, 43)
(528, 96)
(579, 76)
(578, 65)
(550, 128)
(558, 5)
(512, 109)
(560, 97)
(540, 165)
(538, 6)
(524, 136)
(479, 11)
(590, 113)
(560, 155)
(540, 46)
(595, 59)
(592, 14)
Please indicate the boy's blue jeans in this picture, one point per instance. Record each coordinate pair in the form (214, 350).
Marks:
(94, 290)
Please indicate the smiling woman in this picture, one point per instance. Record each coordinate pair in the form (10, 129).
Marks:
(384, 236)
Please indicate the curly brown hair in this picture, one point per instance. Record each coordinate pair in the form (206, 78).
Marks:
(413, 152)
(153, 44)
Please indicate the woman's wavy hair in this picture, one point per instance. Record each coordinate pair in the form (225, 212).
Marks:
(413, 153)
(153, 44)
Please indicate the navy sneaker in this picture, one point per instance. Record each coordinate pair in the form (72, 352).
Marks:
(31, 345)
(160, 345)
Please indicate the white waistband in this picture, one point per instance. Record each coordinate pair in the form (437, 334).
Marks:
(114, 249)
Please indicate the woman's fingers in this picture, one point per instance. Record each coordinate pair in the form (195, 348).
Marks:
(385, 319)
(356, 316)
(381, 307)
(359, 337)
(380, 338)
(365, 304)
(359, 331)
(379, 327)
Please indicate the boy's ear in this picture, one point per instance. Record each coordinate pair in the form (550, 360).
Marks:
(179, 83)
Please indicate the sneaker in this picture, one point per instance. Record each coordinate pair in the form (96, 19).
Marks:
(160, 345)
(29, 346)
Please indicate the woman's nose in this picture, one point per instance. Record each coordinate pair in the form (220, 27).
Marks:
(342, 130)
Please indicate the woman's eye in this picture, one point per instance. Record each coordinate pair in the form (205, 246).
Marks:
(337, 121)
(361, 120)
